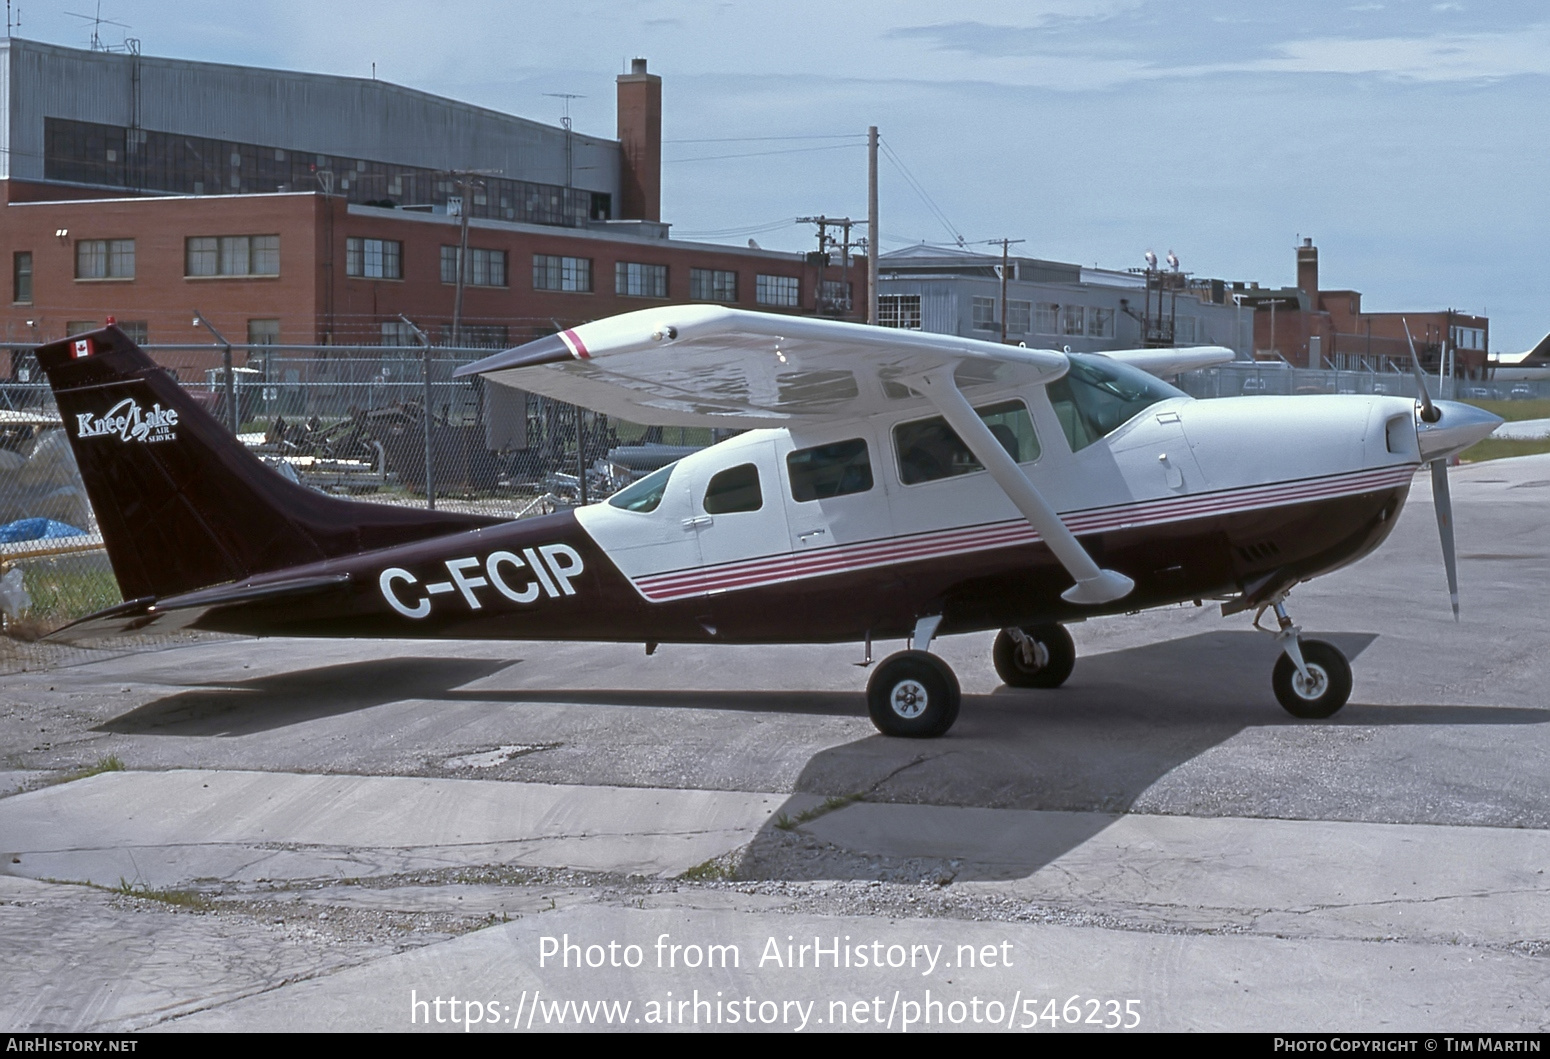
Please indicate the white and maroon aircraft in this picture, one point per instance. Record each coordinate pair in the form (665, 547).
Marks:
(893, 485)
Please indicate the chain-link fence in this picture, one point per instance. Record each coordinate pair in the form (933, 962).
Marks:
(353, 422)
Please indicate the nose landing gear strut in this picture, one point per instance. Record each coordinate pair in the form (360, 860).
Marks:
(1311, 679)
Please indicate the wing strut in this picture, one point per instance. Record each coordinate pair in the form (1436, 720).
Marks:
(1093, 585)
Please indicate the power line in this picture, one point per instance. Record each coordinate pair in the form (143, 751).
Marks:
(761, 154)
(752, 139)
(919, 189)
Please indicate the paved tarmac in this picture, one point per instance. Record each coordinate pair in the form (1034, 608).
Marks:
(332, 835)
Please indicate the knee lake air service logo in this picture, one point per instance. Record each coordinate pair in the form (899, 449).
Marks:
(127, 421)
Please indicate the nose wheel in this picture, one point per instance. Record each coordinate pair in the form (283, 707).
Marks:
(1311, 679)
(1039, 656)
(913, 694)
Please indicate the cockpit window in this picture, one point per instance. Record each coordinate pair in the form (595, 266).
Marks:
(1098, 396)
(645, 494)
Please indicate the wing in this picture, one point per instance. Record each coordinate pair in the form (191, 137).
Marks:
(1171, 361)
(706, 365)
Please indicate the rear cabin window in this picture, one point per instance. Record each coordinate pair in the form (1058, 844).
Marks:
(929, 449)
(1098, 396)
(734, 489)
(830, 470)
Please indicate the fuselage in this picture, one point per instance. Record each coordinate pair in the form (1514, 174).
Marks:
(860, 529)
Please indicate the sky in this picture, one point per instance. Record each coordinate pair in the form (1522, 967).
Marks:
(1404, 136)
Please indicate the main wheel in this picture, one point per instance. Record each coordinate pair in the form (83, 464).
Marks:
(1325, 693)
(913, 694)
(1054, 656)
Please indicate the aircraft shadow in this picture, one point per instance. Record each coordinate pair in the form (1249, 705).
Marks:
(277, 700)
(1081, 755)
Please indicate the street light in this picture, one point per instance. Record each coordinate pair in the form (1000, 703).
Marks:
(231, 386)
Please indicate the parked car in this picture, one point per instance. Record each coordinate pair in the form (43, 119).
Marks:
(1480, 393)
(1521, 392)
(1255, 384)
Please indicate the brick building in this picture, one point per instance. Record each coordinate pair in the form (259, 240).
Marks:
(312, 210)
(1315, 328)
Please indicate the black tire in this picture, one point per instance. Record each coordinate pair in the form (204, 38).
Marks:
(913, 694)
(1017, 673)
(1331, 672)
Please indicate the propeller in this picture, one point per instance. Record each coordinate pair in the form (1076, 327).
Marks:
(1441, 499)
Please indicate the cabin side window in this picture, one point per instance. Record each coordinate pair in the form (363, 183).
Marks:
(734, 489)
(826, 471)
(929, 449)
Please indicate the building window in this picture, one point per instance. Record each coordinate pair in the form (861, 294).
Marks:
(635, 280)
(1184, 330)
(778, 290)
(1073, 320)
(105, 259)
(263, 333)
(552, 272)
(1046, 319)
(231, 255)
(486, 268)
(899, 310)
(1100, 323)
(397, 333)
(712, 285)
(80, 327)
(138, 331)
(985, 314)
(837, 296)
(1019, 317)
(21, 276)
(374, 258)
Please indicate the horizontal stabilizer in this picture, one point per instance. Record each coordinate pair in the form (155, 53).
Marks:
(179, 612)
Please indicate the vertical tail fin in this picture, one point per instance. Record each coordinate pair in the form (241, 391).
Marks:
(180, 502)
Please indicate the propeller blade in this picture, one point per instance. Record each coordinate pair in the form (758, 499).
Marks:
(1428, 412)
(1444, 504)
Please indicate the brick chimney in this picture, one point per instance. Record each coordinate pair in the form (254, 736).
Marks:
(640, 142)
(1308, 272)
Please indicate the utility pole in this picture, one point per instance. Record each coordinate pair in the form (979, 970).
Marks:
(466, 184)
(230, 384)
(871, 225)
(1005, 271)
(824, 242)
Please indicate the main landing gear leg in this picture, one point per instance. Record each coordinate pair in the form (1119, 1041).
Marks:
(914, 693)
(1312, 679)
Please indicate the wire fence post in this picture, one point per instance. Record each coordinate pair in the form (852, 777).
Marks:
(230, 386)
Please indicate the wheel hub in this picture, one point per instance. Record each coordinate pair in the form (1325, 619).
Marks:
(908, 699)
(1312, 687)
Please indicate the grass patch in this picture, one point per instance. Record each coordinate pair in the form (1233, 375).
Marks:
(828, 805)
(1503, 448)
(1516, 411)
(110, 763)
(176, 898)
(717, 869)
(62, 590)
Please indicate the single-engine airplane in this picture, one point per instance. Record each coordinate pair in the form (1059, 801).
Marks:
(893, 485)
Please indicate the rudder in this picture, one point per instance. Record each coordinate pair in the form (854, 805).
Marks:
(180, 502)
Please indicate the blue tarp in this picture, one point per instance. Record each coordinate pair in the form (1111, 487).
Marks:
(36, 529)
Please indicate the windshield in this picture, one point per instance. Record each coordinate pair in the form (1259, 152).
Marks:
(645, 494)
(1099, 395)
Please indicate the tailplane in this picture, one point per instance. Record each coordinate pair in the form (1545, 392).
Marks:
(181, 504)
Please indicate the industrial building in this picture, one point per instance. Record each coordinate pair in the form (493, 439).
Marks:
(308, 209)
(1314, 328)
(1054, 304)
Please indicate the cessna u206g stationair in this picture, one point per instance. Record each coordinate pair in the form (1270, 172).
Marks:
(893, 484)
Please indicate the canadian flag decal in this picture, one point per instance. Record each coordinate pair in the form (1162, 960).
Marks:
(81, 348)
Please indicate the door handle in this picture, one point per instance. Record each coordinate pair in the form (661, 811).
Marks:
(810, 534)
(695, 523)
